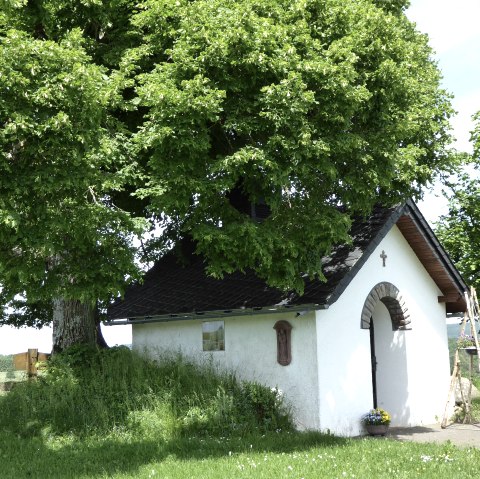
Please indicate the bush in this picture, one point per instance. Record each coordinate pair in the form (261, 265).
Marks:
(84, 391)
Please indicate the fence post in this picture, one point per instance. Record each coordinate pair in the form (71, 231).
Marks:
(32, 358)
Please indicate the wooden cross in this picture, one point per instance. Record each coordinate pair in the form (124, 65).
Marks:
(384, 257)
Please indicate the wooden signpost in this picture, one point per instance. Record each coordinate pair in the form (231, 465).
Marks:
(28, 361)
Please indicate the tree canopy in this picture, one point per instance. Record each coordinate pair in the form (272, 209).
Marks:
(61, 155)
(119, 116)
(312, 104)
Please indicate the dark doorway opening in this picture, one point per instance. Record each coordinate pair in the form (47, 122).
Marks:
(374, 363)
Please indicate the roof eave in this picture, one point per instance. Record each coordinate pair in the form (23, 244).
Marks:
(410, 208)
(446, 260)
(204, 315)
(457, 283)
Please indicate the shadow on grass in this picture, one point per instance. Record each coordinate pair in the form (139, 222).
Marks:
(24, 458)
(33, 457)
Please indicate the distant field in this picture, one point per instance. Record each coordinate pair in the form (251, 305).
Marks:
(8, 375)
(453, 330)
(12, 376)
(6, 363)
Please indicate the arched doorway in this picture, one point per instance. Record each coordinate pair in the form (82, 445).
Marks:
(386, 317)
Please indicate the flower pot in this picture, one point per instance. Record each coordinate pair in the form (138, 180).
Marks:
(472, 350)
(376, 429)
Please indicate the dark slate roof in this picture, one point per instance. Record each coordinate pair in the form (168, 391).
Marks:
(172, 289)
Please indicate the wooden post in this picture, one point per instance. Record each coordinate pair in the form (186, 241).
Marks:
(473, 326)
(451, 391)
(456, 370)
(32, 358)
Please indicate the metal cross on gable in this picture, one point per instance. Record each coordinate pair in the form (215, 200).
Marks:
(384, 257)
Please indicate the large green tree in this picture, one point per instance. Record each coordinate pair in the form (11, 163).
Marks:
(63, 243)
(308, 104)
(304, 105)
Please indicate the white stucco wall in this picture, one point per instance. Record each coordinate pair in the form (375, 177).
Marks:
(250, 351)
(413, 366)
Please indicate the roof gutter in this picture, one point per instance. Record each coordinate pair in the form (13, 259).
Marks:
(202, 315)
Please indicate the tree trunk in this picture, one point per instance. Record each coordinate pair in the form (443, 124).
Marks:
(73, 323)
(101, 343)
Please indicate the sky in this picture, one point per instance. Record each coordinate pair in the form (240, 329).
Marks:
(452, 26)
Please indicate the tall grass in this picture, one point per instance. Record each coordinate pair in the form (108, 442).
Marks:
(85, 391)
(112, 414)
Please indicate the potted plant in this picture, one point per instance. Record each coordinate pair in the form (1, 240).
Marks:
(376, 422)
(467, 343)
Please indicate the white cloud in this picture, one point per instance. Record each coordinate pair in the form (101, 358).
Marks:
(13, 340)
(452, 26)
(449, 23)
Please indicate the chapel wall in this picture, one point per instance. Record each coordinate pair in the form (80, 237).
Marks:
(250, 352)
(345, 392)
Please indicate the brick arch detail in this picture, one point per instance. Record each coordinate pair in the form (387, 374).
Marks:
(390, 296)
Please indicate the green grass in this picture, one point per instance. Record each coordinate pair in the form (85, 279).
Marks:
(112, 414)
(8, 375)
(273, 455)
(465, 371)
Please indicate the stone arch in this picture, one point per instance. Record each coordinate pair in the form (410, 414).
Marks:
(390, 296)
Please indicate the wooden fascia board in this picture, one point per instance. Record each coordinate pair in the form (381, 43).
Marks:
(410, 209)
(450, 298)
(438, 250)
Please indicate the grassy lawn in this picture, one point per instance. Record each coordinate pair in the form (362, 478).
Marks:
(13, 376)
(112, 414)
(274, 455)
